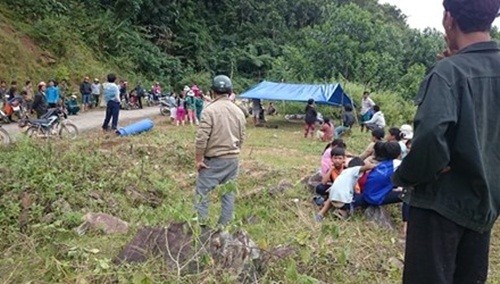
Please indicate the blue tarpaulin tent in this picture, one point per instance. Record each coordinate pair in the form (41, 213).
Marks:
(331, 94)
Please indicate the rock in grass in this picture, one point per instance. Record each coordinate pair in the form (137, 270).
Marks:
(190, 252)
(379, 216)
(313, 181)
(102, 222)
(280, 188)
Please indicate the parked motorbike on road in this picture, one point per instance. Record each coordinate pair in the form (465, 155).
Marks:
(54, 123)
(165, 105)
(3, 117)
(12, 108)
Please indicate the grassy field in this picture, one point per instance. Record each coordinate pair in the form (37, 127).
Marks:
(64, 180)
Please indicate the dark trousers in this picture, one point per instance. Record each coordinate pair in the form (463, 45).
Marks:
(321, 189)
(139, 101)
(96, 99)
(112, 111)
(441, 251)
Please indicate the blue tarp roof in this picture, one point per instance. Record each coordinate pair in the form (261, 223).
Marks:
(331, 94)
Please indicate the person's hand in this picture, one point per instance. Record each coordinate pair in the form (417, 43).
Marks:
(201, 165)
(447, 52)
(445, 170)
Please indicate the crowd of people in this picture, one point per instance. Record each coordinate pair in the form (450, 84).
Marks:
(37, 99)
(349, 181)
(446, 174)
(187, 105)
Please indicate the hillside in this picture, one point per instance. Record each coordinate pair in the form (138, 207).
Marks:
(181, 42)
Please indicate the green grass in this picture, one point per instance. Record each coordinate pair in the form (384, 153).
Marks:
(159, 164)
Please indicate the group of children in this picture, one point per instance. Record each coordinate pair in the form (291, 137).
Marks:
(350, 182)
(187, 105)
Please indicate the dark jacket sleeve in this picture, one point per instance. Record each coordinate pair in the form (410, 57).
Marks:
(432, 144)
(36, 101)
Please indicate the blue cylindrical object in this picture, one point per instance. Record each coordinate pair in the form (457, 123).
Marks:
(136, 128)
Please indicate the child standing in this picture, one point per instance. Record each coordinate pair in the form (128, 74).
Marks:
(191, 107)
(311, 118)
(181, 110)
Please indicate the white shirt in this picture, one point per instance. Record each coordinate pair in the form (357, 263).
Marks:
(342, 189)
(96, 88)
(366, 105)
(404, 149)
(377, 119)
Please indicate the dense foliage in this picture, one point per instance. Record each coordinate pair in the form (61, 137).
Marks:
(175, 41)
(185, 40)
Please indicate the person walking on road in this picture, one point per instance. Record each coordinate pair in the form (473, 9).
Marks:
(218, 144)
(451, 173)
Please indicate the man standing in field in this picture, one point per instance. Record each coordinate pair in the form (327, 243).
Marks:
(453, 164)
(218, 144)
(366, 112)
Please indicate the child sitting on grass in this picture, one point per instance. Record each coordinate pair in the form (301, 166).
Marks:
(341, 193)
(337, 157)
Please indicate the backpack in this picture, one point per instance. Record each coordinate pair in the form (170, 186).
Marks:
(378, 183)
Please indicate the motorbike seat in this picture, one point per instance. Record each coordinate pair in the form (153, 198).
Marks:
(41, 121)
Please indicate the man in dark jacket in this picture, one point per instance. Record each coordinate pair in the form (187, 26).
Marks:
(86, 91)
(40, 104)
(139, 92)
(451, 171)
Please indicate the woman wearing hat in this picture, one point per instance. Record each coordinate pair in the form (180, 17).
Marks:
(96, 91)
(191, 107)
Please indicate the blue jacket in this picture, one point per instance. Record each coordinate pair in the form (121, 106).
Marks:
(52, 94)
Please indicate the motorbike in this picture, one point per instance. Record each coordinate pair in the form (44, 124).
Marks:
(154, 100)
(165, 106)
(11, 109)
(3, 117)
(54, 123)
(131, 103)
(4, 136)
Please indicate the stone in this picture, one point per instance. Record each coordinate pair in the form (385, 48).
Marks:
(102, 222)
(186, 251)
(138, 197)
(379, 216)
(61, 205)
(313, 181)
(396, 263)
(280, 188)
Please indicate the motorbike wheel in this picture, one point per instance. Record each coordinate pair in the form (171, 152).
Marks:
(33, 131)
(165, 111)
(69, 131)
(4, 137)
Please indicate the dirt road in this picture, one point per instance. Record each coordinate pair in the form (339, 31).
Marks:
(93, 119)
